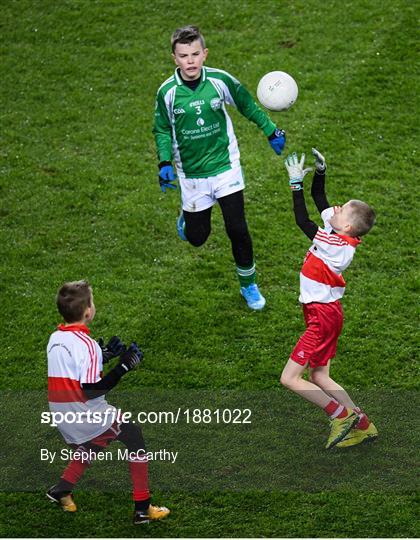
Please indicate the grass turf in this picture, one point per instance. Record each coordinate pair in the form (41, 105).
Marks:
(80, 199)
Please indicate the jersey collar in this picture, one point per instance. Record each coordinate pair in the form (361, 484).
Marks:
(74, 328)
(352, 240)
(178, 78)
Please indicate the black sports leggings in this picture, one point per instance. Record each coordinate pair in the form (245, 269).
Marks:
(132, 436)
(198, 227)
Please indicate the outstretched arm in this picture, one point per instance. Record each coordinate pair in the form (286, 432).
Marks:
(318, 183)
(301, 215)
(236, 94)
(296, 174)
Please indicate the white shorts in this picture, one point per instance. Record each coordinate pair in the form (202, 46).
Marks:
(201, 193)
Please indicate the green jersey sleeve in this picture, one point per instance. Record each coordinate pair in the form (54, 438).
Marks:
(162, 130)
(242, 99)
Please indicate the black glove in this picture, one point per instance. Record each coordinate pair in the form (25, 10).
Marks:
(131, 357)
(112, 349)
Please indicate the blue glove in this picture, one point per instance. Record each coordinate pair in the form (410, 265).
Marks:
(277, 140)
(166, 176)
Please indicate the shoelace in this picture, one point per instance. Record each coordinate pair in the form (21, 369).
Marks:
(253, 292)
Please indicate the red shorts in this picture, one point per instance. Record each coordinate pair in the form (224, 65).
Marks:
(318, 344)
(104, 439)
(107, 436)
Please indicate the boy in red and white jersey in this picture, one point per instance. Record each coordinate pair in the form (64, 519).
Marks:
(321, 287)
(77, 388)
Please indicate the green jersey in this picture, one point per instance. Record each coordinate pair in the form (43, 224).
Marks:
(193, 128)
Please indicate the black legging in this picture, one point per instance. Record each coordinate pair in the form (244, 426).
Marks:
(132, 436)
(198, 227)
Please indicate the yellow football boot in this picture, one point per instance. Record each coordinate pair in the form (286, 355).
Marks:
(357, 436)
(340, 427)
(64, 499)
(153, 513)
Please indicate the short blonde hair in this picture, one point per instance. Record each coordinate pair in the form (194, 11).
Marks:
(362, 217)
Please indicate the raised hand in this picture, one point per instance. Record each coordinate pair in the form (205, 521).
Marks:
(296, 171)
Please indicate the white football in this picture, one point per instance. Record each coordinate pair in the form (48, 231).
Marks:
(277, 91)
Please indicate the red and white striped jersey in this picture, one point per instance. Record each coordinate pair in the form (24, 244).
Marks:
(330, 254)
(75, 358)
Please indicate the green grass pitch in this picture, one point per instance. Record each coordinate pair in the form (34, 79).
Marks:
(80, 199)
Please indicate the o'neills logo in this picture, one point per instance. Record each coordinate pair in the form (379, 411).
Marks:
(179, 111)
(215, 103)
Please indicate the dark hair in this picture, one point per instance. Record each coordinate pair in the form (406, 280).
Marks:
(187, 34)
(362, 217)
(73, 298)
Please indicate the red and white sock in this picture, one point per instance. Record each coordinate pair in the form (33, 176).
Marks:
(75, 469)
(364, 421)
(335, 410)
(140, 478)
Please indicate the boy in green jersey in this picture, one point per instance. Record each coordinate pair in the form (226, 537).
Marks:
(193, 129)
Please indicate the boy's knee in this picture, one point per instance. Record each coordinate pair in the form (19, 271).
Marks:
(131, 435)
(196, 241)
(312, 378)
(286, 380)
(318, 378)
(237, 230)
(197, 237)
